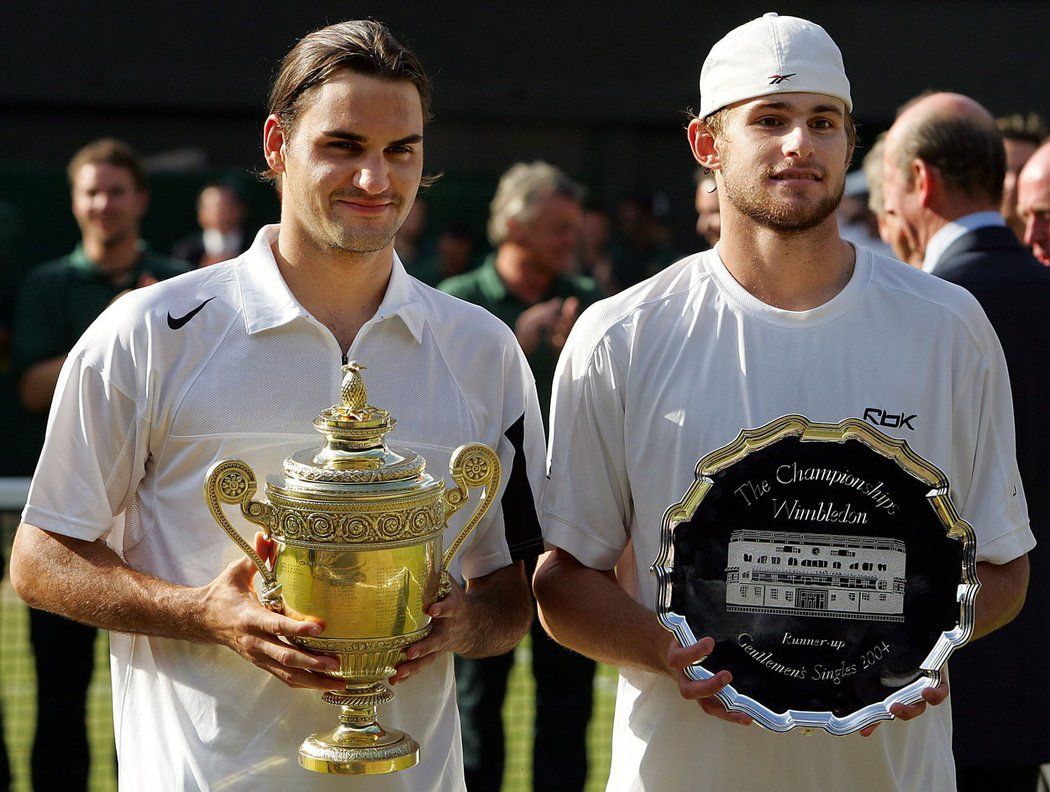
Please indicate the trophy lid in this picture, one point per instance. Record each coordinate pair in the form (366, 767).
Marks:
(354, 451)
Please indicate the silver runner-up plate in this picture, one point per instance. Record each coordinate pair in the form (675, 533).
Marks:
(830, 566)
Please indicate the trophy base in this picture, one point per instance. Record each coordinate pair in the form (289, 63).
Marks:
(347, 751)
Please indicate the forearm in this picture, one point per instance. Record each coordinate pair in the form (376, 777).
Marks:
(36, 387)
(500, 612)
(88, 582)
(586, 610)
(1002, 594)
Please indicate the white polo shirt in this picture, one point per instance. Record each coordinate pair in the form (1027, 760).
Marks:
(149, 399)
(655, 378)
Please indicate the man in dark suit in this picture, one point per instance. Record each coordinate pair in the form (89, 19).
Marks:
(944, 165)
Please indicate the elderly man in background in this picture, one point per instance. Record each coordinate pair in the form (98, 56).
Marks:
(534, 223)
(1022, 134)
(889, 228)
(889, 231)
(1033, 202)
(944, 165)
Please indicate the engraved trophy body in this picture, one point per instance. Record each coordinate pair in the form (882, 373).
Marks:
(358, 528)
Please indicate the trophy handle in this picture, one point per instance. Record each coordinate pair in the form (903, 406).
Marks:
(473, 465)
(232, 481)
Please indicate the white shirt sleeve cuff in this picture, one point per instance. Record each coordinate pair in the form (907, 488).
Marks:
(63, 525)
(588, 550)
(1010, 545)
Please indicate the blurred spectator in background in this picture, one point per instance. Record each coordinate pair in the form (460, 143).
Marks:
(409, 242)
(452, 254)
(221, 211)
(56, 303)
(594, 255)
(1022, 133)
(534, 224)
(643, 240)
(1033, 202)
(708, 219)
(944, 177)
(455, 251)
(857, 222)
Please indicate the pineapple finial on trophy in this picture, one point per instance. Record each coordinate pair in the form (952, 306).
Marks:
(355, 396)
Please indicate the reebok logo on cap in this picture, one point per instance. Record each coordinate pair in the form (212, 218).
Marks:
(769, 55)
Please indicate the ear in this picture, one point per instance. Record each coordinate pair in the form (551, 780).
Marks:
(273, 143)
(515, 229)
(927, 181)
(702, 144)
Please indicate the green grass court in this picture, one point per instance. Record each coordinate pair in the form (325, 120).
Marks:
(18, 688)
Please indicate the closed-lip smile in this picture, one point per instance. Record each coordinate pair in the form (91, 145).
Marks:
(797, 174)
(365, 207)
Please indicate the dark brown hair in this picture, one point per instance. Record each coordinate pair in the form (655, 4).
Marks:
(364, 46)
(112, 152)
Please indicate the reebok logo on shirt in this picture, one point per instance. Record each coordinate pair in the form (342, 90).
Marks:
(176, 324)
(879, 417)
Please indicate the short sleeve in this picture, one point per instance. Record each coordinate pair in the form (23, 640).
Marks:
(93, 456)
(513, 533)
(986, 484)
(587, 502)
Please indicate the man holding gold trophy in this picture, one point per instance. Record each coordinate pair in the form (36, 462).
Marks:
(782, 320)
(228, 366)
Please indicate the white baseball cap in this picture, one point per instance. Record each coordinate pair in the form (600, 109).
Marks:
(769, 55)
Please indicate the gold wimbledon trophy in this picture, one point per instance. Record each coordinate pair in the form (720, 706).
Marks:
(358, 528)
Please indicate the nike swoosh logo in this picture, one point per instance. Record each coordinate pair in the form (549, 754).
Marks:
(176, 324)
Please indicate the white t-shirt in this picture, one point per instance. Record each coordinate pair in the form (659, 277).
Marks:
(141, 412)
(653, 379)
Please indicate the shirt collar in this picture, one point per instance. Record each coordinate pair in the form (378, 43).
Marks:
(950, 232)
(402, 300)
(268, 302)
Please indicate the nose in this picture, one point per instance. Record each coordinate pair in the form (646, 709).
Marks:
(373, 177)
(797, 142)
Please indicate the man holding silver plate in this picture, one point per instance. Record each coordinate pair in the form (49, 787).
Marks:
(812, 449)
(236, 362)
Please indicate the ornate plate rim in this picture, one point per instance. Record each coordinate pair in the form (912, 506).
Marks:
(792, 425)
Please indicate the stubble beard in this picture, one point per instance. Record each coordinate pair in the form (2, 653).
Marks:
(362, 239)
(354, 241)
(757, 204)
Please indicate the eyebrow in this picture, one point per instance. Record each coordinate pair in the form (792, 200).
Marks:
(823, 108)
(355, 138)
